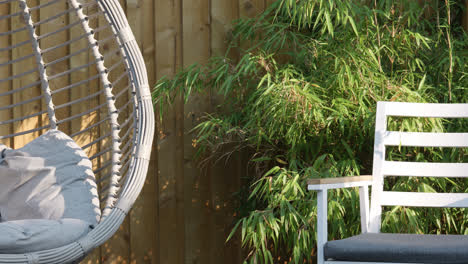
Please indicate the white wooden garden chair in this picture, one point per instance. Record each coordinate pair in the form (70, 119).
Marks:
(372, 246)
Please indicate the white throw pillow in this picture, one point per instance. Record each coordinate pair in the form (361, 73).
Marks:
(49, 178)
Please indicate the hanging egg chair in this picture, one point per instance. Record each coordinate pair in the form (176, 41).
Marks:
(74, 67)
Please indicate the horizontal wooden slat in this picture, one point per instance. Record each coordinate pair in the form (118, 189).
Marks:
(424, 199)
(456, 140)
(424, 169)
(425, 110)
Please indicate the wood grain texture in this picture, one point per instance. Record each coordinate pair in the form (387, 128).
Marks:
(226, 173)
(21, 67)
(223, 13)
(251, 8)
(340, 180)
(48, 57)
(150, 191)
(171, 236)
(5, 72)
(269, 2)
(198, 219)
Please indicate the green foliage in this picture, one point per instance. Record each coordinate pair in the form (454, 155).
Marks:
(300, 100)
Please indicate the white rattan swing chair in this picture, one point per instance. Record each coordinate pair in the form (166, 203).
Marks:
(75, 65)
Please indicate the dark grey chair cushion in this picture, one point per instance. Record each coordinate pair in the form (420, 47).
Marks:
(394, 248)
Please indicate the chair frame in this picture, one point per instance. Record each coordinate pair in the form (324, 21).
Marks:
(141, 142)
(371, 221)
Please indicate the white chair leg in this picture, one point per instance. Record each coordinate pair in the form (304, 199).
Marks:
(364, 207)
(322, 229)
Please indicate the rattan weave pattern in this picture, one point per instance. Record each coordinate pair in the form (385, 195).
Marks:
(75, 65)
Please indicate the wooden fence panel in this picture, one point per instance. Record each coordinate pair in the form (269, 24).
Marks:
(250, 8)
(184, 213)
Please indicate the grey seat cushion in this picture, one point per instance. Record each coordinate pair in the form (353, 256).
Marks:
(23, 236)
(394, 248)
(48, 194)
(51, 177)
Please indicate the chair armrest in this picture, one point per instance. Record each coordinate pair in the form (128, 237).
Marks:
(341, 182)
(322, 186)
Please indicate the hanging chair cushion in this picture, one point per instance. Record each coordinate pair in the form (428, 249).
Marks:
(23, 236)
(46, 188)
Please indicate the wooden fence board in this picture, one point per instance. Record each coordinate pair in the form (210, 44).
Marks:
(269, 2)
(251, 8)
(18, 68)
(150, 194)
(198, 220)
(223, 13)
(171, 235)
(5, 72)
(225, 173)
(153, 170)
(59, 67)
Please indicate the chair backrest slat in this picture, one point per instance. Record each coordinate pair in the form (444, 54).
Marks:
(418, 199)
(453, 140)
(426, 110)
(423, 169)
(382, 168)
